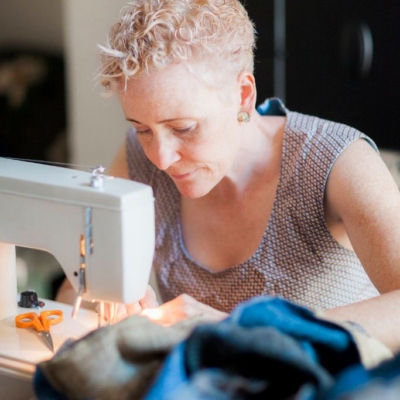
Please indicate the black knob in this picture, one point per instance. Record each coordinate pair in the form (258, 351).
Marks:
(29, 299)
(356, 49)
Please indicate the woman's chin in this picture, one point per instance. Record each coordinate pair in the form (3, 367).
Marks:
(192, 191)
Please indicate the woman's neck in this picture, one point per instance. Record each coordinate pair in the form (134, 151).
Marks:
(258, 161)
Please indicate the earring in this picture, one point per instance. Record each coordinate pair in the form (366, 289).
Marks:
(243, 116)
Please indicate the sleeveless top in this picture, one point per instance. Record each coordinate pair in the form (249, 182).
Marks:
(297, 259)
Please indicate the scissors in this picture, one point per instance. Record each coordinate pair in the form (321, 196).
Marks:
(41, 323)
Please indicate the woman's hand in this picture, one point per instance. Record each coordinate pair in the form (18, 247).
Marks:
(182, 308)
(122, 311)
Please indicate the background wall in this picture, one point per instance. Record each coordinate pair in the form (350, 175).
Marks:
(33, 24)
(96, 125)
(72, 29)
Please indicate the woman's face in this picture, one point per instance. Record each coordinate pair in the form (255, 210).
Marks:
(186, 128)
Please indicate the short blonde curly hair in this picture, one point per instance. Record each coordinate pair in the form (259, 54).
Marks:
(151, 34)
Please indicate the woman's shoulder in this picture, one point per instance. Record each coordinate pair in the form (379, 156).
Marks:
(313, 131)
(312, 145)
(305, 128)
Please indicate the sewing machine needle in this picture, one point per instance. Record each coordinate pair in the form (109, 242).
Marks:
(48, 340)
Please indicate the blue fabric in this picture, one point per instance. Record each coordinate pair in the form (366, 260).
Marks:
(300, 323)
(272, 106)
(172, 376)
(265, 340)
(43, 389)
(357, 383)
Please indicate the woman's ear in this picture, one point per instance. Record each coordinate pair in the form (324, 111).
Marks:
(248, 92)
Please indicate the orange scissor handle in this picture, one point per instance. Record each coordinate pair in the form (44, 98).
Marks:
(39, 322)
(28, 320)
(51, 317)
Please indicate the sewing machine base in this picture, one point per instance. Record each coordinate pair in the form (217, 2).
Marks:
(22, 349)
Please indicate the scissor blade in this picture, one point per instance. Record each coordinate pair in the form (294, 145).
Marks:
(48, 340)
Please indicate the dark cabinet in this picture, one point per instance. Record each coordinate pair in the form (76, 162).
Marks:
(342, 61)
(262, 14)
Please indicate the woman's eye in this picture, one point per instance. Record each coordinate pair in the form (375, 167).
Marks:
(184, 130)
(143, 132)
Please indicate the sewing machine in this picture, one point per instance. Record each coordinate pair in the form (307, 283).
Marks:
(99, 228)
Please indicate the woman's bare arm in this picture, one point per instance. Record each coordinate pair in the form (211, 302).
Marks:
(379, 316)
(362, 194)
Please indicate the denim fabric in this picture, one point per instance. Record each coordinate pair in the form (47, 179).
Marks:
(172, 377)
(267, 348)
(331, 345)
(42, 388)
(356, 383)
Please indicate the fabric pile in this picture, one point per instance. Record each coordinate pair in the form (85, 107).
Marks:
(267, 348)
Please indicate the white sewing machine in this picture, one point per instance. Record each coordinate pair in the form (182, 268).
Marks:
(100, 229)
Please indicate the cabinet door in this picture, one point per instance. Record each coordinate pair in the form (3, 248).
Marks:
(333, 72)
(261, 13)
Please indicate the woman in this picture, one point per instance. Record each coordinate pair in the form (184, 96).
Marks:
(248, 202)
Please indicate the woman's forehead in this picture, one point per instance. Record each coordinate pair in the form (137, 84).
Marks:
(184, 77)
(168, 96)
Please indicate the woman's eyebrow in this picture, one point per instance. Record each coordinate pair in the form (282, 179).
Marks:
(159, 122)
(132, 120)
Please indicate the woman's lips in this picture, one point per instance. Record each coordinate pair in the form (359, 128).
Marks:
(179, 177)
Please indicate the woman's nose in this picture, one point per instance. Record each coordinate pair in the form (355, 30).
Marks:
(164, 153)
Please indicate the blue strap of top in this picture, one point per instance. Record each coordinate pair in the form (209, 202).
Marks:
(272, 106)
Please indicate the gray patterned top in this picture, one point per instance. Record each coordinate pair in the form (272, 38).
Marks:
(297, 259)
